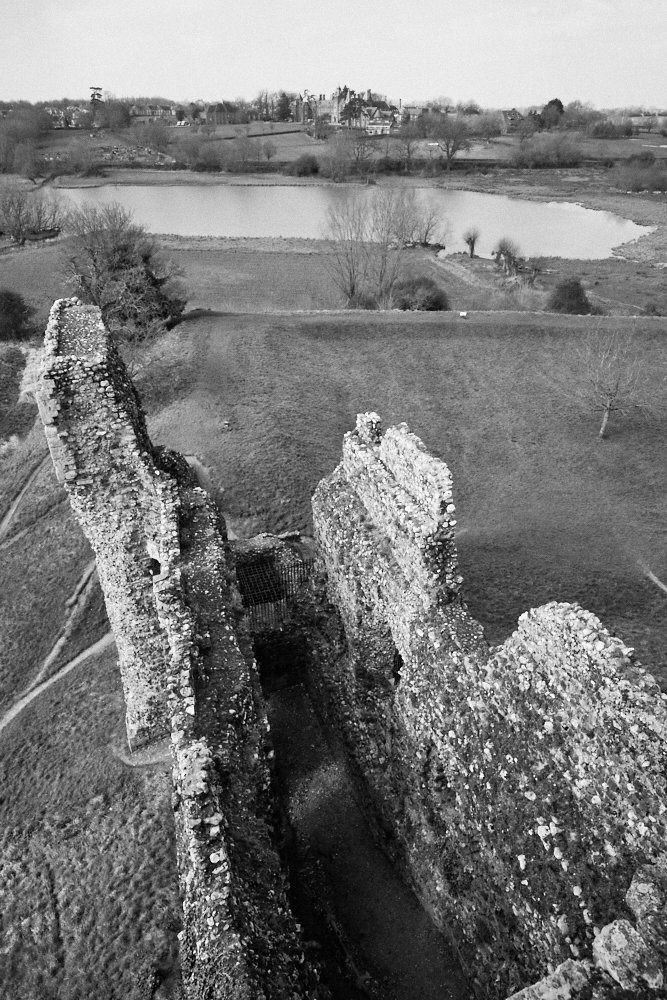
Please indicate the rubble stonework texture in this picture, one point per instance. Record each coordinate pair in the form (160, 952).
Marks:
(187, 666)
(101, 452)
(522, 786)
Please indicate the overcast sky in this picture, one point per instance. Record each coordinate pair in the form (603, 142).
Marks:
(500, 52)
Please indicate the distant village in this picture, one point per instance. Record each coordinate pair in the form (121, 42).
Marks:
(344, 108)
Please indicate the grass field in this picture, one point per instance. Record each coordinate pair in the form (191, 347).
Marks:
(546, 510)
(87, 859)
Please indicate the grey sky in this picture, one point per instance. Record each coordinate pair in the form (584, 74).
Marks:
(501, 52)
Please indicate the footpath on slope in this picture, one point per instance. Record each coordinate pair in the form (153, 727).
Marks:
(98, 647)
(394, 951)
(6, 521)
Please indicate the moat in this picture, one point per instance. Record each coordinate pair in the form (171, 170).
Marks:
(552, 229)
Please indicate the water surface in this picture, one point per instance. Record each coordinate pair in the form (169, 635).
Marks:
(555, 229)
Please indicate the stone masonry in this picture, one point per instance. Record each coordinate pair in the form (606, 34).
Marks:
(187, 665)
(522, 788)
(101, 452)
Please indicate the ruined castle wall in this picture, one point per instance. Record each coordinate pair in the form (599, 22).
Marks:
(101, 453)
(524, 785)
(177, 625)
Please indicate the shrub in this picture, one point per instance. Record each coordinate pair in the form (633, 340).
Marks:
(307, 165)
(207, 159)
(549, 150)
(15, 317)
(569, 297)
(113, 263)
(420, 293)
(611, 130)
(642, 174)
(643, 159)
(362, 300)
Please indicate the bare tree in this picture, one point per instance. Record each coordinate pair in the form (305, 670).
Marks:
(615, 377)
(368, 238)
(269, 149)
(347, 234)
(470, 237)
(452, 135)
(112, 262)
(430, 227)
(361, 146)
(392, 225)
(338, 156)
(24, 212)
(507, 255)
(242, 148)
(409, 139)
(487, 126)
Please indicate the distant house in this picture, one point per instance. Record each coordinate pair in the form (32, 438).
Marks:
(346, 107)
(411, 112)
(148, 114)
(222, 113)
(379, 117)
(77, 116)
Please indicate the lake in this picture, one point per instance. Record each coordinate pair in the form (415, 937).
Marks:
(554, 229)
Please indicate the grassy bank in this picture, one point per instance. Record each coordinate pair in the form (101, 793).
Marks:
(87, 860)
(87, 864)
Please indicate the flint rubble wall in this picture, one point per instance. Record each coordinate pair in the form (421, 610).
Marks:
(523, 786)
(187, 666)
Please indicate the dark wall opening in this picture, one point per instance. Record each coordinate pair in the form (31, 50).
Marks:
(397, 667)
(282, 660)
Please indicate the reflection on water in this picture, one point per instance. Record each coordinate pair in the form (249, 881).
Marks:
(547, 229)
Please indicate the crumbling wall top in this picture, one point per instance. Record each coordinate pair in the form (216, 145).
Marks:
(76, 330)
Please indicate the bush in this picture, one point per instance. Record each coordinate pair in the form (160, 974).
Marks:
(569, 297)
(113, 263)
(362, 300)
(611, 130)
(420, 293)
(307, 165)
(549, 150)
(642, 173)
(643, 159)
(15, 317)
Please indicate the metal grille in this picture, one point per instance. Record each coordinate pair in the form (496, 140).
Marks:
(267, 589)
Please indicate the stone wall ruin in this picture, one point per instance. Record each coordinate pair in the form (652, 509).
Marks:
(522, 787)
(187, 665)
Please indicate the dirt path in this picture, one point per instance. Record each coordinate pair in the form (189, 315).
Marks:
(461, 273)
(98, 647)
(6, 522)
(397, 953)
(76, 604)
